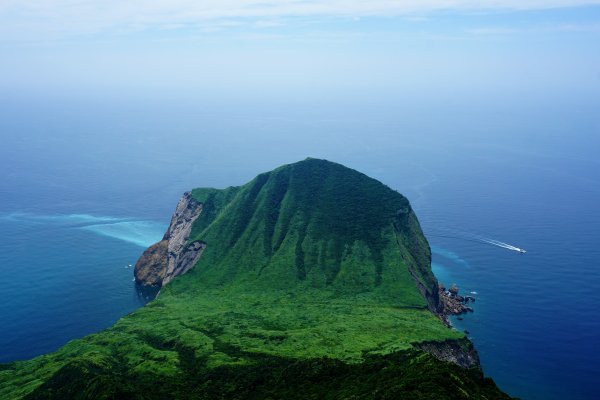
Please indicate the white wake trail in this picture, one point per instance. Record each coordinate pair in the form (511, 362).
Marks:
(472, 237)
(501, 244)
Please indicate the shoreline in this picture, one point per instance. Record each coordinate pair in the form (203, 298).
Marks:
(452, 303)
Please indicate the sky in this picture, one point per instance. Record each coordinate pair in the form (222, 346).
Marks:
(299, 48)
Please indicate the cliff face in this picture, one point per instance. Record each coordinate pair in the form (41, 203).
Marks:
(460, 352)
(173, 255)
(417, 257)
(151, 268)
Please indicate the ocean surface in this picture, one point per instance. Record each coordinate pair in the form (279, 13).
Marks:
(88, 184)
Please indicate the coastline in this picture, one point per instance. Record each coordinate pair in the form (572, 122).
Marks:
(452, 303)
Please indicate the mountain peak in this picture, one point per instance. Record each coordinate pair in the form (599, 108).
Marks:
(317, 224)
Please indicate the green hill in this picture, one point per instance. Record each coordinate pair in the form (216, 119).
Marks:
(315, 283)
(314, 225)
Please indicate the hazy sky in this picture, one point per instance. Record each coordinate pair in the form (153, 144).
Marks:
(299, 46)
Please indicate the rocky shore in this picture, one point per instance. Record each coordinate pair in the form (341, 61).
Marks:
(452, 302)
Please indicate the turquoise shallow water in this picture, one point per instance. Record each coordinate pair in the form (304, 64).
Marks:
(70, 275)
(86, 186)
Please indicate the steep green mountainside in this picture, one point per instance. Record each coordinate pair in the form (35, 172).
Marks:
(315, 282)
(314, 224)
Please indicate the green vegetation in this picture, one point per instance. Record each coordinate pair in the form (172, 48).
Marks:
(402, 375)
(316, 214)
(315, 281)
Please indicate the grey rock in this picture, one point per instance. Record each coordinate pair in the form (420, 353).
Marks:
(173, 255)
(460, 352)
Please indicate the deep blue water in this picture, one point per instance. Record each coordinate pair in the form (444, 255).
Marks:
(86, 184)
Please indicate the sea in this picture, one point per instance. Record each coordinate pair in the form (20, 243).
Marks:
(88, 182)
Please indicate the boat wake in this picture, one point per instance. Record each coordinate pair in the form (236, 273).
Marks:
(480, 239)
(503, 245)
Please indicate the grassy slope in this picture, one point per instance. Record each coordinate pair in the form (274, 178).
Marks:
(314, 224)
(305, 265)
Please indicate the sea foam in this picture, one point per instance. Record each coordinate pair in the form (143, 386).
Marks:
(141, 233)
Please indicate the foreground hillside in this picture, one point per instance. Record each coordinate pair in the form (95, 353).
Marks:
(314, 282)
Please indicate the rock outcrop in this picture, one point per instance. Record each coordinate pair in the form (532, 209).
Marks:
(173, 255)
(452, 303)
(151, 268)
(460, 352)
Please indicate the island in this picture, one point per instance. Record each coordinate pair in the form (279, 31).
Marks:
(312, 281)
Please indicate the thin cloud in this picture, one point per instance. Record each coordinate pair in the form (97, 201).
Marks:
(492, 31)
(35, 19)
(587, 28)
(536, 29)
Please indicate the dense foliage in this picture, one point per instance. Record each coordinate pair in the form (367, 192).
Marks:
(402, 375)
(314, 284)
(314, 224)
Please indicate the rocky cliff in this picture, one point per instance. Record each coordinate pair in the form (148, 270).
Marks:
(460, 352)
(173, 255)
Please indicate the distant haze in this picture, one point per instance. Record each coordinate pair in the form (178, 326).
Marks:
(296, 49)
(485, 117)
